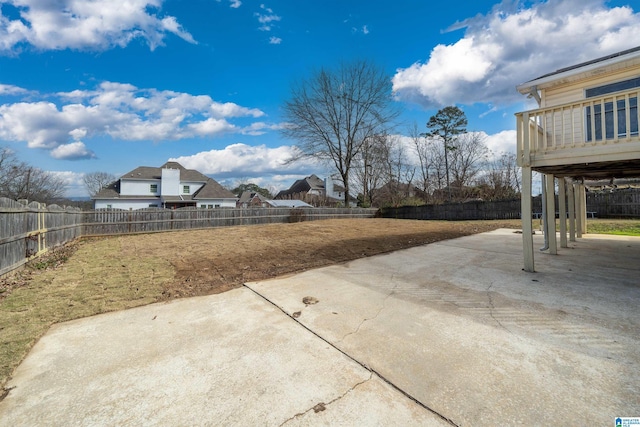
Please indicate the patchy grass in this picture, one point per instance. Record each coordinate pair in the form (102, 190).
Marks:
(97, 280)
(621, 227)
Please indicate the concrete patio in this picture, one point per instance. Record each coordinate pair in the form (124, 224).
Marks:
(451, 333)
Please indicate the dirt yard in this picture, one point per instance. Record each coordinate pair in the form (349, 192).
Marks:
(213, 261)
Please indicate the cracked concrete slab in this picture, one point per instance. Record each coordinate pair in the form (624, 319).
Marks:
(460, 327)
(227, 359)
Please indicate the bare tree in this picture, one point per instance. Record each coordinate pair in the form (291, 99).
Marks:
(501, 180)
(332, 114)
(383, 173)
(430, 167)
(19, 180)
(421, 149)
(369, 169)
(95, 181)
(400, 174)
(467, 155)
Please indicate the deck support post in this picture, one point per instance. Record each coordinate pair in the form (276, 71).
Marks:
(562, 208)
(576, 196)
(583, 207)
(526, 209)
(572, 213)
(551, 214)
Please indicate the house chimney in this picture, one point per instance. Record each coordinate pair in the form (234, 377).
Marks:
(328, 186)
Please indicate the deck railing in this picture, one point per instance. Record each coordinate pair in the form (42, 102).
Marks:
(611, 119)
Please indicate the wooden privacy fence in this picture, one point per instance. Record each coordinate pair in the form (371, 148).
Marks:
(623, 203)
(477, 210)
(29, 230)
(116, 221)
(617, 204)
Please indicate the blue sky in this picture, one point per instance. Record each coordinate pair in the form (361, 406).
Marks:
(109, 85)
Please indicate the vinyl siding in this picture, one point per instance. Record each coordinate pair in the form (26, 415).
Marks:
(567, 93)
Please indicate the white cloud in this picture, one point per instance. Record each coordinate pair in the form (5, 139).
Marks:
(260, 128)
(501, 142)
(229, 109)
(246, 161)
(85, 24)
(364, 30)
(211, 126)
(235, 3)
(73, 182)
(11, 90)
(73, 151)
(78, 133)
(266, 18)
(125, 112)
(507, 47)
(275, 40)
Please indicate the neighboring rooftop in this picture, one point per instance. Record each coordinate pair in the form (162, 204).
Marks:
(211, 189)
(149, 172)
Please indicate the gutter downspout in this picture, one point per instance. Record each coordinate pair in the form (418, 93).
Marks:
(545, 223)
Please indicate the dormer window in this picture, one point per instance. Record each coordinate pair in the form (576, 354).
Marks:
(185, 189)
(153, 188)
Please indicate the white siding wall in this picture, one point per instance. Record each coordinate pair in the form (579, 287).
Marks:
(193, 186)
(138, 187)
(224, 203)
(574, 92)
(171, 182)
(125, 204)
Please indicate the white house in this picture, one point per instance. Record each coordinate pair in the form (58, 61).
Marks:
(168, 186)
(585, 127)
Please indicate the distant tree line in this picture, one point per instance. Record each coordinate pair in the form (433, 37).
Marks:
(427, 170)
(20, 180)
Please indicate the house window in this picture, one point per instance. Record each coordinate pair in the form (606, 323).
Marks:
(108, 206)
(153, 188)
(217, 206)
(210, 206)
(153, 206)
(185, 189)
(620, 112)
(612, 87)
(594, 118)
